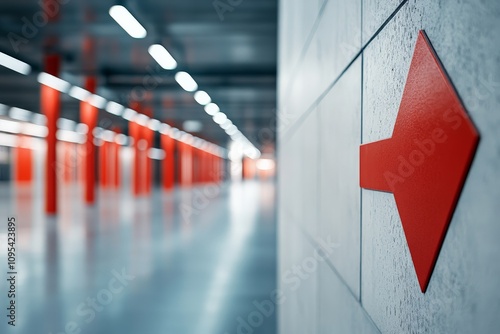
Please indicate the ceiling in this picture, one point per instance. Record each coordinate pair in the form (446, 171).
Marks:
(229, 50)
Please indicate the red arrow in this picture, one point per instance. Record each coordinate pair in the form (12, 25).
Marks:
(425, 162)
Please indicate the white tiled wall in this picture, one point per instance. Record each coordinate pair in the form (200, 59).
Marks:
(332, 97)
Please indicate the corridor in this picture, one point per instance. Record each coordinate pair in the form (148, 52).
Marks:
(192, 261)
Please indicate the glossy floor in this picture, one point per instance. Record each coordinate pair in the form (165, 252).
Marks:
(194, 261)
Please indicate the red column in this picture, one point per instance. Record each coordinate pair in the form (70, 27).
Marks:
(179, 146)
(219, 169)
(88, 116)
(116, 163)
(209, 167)
(195, 172)
(67, 166)
(186, 164)
(215, 168)
(249, 168)
(148, 135)
(202, 168)
(50, 106)
(168, 164)
(149, 162)
(23, 162)
(103, 164)
(135, 131)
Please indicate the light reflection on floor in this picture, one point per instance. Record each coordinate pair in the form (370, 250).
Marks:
(199, 258)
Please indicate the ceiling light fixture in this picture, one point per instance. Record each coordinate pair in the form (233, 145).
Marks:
(127, 21)
(220, 118)
(202, 97)
(114, 108)
(79, 93)
(14, 64)
(53, 82)
(162, 56)
(212, 109)
(186, 81)
(97, 101)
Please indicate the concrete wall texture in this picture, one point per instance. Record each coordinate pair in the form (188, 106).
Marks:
(342, 69)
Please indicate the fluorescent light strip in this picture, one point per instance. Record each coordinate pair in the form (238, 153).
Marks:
(186, 81)
(127, 21)
(19, 114)
(212, 109)
(82, 128)
(202, 97)
(35, 130)
(10, 126)
(226, 124)
(141, 119)
(154, 124)
(162, 56)
(165, 129)
(232, 131)
(220, 118)
(14, 64)
(39, 119)
(108, 135)
(129, 114)
(53, 82)
(70, 136)
(156, 154)
(97, 101)
(114, 108)
(121, 139)
(79, 93)
(66, 124)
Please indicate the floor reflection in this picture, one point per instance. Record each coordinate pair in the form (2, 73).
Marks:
(199, 259)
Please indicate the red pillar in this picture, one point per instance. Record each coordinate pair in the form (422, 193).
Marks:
(67, 166)
(148, 163)
(186, 164)
(168, 164)
(148, 135)
(136, 132)
(104, 164)
(208, 167)
(88, 116)
(116, 163)
(23, 162)
(50, 106)
(201, 166)
(195, 167)
(213, 168)
(178, 145)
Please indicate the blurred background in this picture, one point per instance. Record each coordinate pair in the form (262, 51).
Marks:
(137, 160)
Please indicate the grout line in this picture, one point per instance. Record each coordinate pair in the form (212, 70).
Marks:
(318, 197)
(315, 245)
(306, 113)
(360, 189)
(305, 47)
